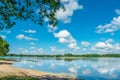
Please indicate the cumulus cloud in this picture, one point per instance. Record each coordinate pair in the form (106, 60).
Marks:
(101, 45)
(22, 36)
(111, 27)
(36, 50)
(84, 43)
(109, 40)
(66, 38)
(3, 36)
(22, 50)
(117, 11)
(65, 15)
(70, 7)
(32, 50)
(106, 47)
(30, 31)
(62, 34)
(54, 49)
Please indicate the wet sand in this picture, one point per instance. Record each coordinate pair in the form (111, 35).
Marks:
(7, 69)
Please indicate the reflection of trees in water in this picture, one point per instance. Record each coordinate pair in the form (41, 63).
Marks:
(69, 59)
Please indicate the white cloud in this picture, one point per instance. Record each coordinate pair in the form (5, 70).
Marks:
(32, 50)
(21, 36)
(114, 25)
(101, 45)
(3, 36)
(65, 15)
(22, 50)
(62, 34)
(117, 11)
(106, 47)
(84, 43)
(54, 49)
(73, 46)
(70, 6)
(30, 31)
(66, 38)
(109, 40)
(63, 40)
(37, 51)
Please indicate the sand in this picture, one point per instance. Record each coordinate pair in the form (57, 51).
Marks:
(6, 69)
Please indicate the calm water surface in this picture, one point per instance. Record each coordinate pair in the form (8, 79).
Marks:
(88, 69)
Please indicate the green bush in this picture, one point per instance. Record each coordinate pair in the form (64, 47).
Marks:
(4, 47)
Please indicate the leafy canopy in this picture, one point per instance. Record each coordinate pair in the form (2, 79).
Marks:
(36, 10)
(4, 47)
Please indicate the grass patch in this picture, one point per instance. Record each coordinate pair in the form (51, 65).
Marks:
(17, 78)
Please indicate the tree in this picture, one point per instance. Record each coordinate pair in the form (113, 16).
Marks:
(36, 10)
(4, 47)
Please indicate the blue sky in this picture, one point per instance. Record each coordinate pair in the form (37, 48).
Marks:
(87, 26)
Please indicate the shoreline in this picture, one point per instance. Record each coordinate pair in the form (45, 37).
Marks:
(6, 69)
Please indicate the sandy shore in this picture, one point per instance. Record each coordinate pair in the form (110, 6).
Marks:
(6, 69)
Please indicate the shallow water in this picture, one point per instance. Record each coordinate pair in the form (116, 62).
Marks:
(85, 68)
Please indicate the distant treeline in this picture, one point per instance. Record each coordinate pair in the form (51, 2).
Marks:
(68, 55)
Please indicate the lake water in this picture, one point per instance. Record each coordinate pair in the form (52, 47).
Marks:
(85, 68)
